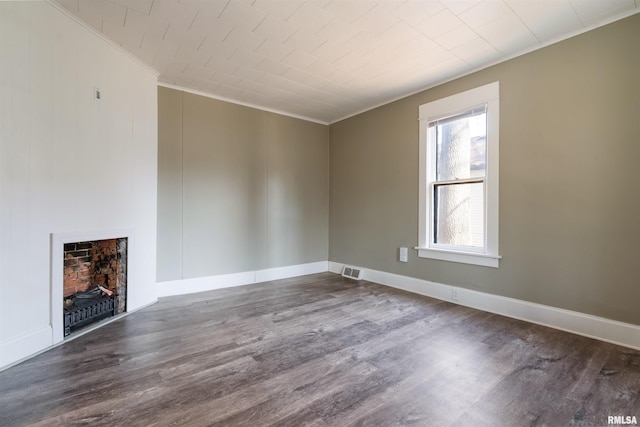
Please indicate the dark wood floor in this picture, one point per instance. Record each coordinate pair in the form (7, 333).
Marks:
(321, 351)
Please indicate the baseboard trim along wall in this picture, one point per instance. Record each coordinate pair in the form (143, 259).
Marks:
(25, 346)
(28, 346)
(209, 283)
(600, 328)
(612, 331)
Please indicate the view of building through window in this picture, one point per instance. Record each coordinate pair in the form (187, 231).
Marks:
(458, 193)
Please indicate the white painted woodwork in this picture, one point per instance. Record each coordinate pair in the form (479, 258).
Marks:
(600, 328)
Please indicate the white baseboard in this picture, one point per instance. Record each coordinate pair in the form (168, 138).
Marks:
(25, 346)
(291, 271)
(600, 328)
(201, 284)
(33, 344)
(36, 342)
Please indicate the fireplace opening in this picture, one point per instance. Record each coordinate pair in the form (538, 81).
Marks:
(94, 282)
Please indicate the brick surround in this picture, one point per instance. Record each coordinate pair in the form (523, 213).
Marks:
(100, 262)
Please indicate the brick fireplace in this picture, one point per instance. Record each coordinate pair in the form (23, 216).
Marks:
(83, 260)
(96, 263)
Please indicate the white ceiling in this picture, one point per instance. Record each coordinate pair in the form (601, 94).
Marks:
(325, 60)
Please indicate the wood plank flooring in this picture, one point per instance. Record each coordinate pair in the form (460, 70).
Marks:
(321, 350)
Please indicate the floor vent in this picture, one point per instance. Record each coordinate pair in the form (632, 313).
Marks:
(352, 273)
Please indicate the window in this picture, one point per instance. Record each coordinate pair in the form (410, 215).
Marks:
(459, 177)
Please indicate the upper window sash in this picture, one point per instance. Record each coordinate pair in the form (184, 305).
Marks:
(469, 112)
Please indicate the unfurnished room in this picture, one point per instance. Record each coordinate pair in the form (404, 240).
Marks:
(319, 213)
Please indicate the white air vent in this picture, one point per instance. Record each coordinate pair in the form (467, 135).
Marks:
(352, 272)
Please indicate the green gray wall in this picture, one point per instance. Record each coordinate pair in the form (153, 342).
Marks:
(569, 184)
(239, 189)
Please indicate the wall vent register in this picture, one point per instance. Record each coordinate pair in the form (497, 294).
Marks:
(352, 273)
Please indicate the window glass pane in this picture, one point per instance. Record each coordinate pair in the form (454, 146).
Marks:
(461, 147)
(459, 214)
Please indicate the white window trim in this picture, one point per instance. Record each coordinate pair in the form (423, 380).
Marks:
(489, 94)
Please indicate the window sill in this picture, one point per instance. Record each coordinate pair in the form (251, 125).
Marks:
(461, 257)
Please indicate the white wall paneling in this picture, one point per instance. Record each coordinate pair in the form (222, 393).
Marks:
(68, 163)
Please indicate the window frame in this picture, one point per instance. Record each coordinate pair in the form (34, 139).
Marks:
(487, 256)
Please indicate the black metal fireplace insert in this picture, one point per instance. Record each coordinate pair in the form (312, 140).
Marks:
(87, 307)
